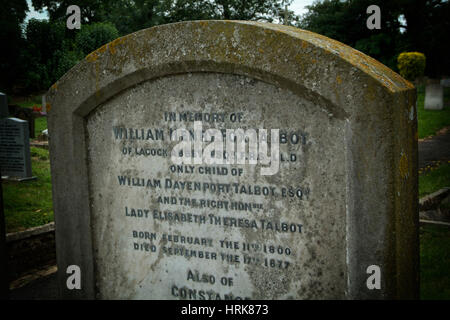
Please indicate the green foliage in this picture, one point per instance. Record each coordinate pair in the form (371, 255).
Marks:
(44, 38)
(427, 29)
(40, 124)
(29, 204)
(258, 10)
(93, 36)
(411, 65)
(345, 21)
(130, 16)
(375, 45)
(51, 49)
(326, 18)
(37, 77)
(65, 60)
(12, 16)
(39, 153)
(434, 262)
(434, 179)
(424, 27)
(44, 41)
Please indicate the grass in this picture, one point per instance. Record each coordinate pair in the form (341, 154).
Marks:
(434, 262)
(29, 203)
(431, 121)
(27, 102)
(40, 124)
(434, 179)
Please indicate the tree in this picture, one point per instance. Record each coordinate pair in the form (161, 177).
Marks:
(256, 10)
(50, 53)
(328, 18)
(93, 36)
(12, 16)
(44, 40)
(345, 21)
(426, 29)
(132, 15)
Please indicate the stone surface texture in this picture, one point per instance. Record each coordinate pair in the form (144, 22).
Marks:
(356, 165)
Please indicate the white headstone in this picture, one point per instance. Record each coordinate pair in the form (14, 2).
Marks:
(434, 96)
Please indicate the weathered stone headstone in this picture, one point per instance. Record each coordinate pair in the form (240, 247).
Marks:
(434, 95)
(339, 206)
(15, 160)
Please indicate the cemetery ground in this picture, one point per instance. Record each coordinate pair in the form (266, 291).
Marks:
(429, 121)
(29, 204)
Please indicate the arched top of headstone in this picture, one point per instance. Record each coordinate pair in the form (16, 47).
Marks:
(286, 56)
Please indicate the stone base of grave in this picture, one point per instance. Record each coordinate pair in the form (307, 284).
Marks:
(29, 252)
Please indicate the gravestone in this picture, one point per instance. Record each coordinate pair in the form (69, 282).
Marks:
(15, 160)
(434, 95)
(445, 82)
(44, 105)
(25, 114)
(335, 203)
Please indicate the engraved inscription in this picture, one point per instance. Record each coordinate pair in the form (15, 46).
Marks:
(199, 231)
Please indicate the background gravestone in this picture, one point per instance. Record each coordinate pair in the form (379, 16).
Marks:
(4, 111)
(15, 160)
(445, 82)
(140, 227)
(434, 95)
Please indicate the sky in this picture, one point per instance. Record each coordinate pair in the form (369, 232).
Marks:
(298, 6)
(34, 14)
